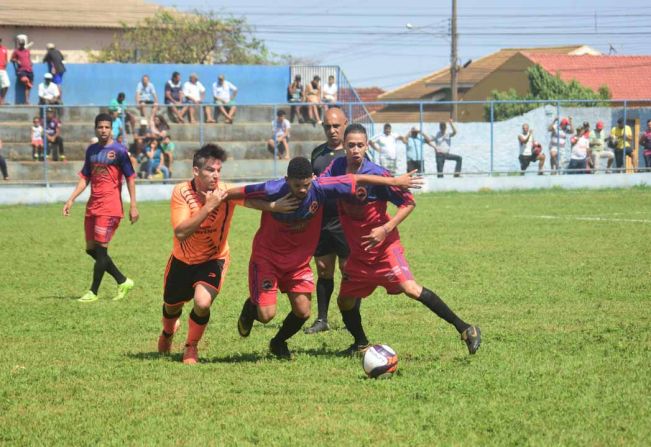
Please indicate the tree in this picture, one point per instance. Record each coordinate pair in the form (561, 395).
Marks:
(543, 87)
(197, 38)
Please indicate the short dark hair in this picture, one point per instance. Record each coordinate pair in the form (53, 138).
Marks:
(122, 95)
(387, 125)
(355, 128)
(281, 112)
(208, 151)
(103, 117)
(175, 74)
(299, 168)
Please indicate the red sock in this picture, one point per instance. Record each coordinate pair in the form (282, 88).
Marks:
(168, 324)
(195, 332)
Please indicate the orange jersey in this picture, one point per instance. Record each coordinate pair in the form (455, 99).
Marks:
(210, 240)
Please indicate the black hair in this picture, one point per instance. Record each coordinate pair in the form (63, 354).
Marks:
(355, 128)
(175, 74)
(281, 112)
(387, 125)
(299, 168)
(208, 151)
(103, 117)
(122, 95)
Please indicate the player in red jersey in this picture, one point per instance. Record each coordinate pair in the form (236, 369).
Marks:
(107, 161)
(285, 243)
(376, 254)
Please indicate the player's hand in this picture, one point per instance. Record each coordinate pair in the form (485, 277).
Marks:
(409, 180)
(66, 208)
(375, 237)
(134, 215)
(214, 198)
(285, 204)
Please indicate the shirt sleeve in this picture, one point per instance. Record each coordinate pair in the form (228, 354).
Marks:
(339, 186)
(398, 197)
(266, 191)
(125, 164)
(179, 208)
(86, 168)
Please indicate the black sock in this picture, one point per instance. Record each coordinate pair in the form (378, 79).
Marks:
(436, 305)
(250, 309)
(110, 268)
(92, 253)
(101, 262)
(200, 320)
(353, 321)
(291, 326)
(324, 288)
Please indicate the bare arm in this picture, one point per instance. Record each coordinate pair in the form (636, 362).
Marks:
(81, 185)
(404, 181)
(378, 234)
(133, 208)
(454, 129)
(187, 227)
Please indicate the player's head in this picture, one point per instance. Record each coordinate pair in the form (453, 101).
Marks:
(207, 166)
(103, 127)
(334, 124)
(299, 176)
(355, 143)
(387, 129)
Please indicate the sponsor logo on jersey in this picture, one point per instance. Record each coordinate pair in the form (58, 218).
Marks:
(111, 155)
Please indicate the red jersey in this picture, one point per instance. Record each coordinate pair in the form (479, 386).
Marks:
(23, 57)
(104, 168)
(3, 57)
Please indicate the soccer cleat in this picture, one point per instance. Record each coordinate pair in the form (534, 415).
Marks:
(165, 342)
(190, 355)
(280, 349)
(88, 297)
(472, 337)
(318, 326)
(123, 289)
(355, 349)
(244, 323)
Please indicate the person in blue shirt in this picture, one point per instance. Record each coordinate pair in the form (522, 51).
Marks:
(414, 142)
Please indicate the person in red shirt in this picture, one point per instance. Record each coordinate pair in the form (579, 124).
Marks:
(22, 59)
(107, 162)
(376, 255)
(4, 78)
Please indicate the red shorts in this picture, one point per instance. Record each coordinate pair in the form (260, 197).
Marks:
(101, 228)
(266, 277)
(362, 277)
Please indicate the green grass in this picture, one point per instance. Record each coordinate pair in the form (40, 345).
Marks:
(564, 306)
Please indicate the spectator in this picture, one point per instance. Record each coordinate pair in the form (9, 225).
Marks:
(579, 156)
(136, 149)
(22, 60)
(3, 164)
(48, 91)
(558, 140)
(157, 166)
(117, 127)
(414, 142)
(313, 96)
(530, 150)
(329, 92)
(158, 125)
(598, 149)
(442, 143)
(146, 96)
(117, 105)
(385, 144)
(296, 94)
(194, 93)
(174, 98)
(620, 140)
(279, 143)
(37, 139)
(4, 77)
(53, 135)
(645, 142)
(54, 60)
(168, 148)
(224, 93)
(146, 159)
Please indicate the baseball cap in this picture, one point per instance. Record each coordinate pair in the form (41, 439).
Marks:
(49, 46)
(600, 125)
(221, 77)
(143, 122)
(564, 122)
(48, 76)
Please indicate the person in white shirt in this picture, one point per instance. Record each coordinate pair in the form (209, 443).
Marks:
(146, 96)
(530, 150)
(443, 141)
(279, 143)
(579, 155)
(224, 94)
(48, 91)
(386, 145)
(194, 93)
(329, 92)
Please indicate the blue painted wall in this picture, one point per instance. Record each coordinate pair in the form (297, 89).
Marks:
(99, 83)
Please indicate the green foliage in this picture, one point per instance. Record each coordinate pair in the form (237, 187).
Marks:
(544, 86)
(563, 304)
(197, 38)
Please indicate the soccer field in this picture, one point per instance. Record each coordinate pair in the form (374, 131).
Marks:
(559, 282)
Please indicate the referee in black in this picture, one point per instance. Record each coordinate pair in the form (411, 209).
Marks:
(332, 243)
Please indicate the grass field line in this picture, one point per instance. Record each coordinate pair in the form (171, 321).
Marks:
(588, 218)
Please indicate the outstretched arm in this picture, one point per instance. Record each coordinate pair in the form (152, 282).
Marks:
(405, 181)
(378, 234)
(285, 204)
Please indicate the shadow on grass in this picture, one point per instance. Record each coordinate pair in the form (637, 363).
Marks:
(60, 297)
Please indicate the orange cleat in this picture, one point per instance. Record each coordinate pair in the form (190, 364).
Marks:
(190, 355)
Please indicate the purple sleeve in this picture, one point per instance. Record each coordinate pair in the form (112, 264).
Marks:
(339, 186)
(266, 191)
(125, 163)
(86, 168)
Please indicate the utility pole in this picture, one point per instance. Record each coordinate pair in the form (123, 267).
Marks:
(453, 59)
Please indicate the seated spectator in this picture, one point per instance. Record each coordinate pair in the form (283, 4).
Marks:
(598, 148)
(224, 94)
(279, 143)
(37, 139)
(146, 96)
(48, 92)
(530, 150)
(579, 156)
(145, 159)
(53, 135)
(296, 93)
(329, 92)
(313, 96)
(168, 148)
(117, 105)
(174, 98)
(22, 60)
(194, 93)
(386, 145)
(645, 143)
(136, 149)
(557, 141)
(157, 167)
(158, 125)
(620, 140)
(443, 142)
(3, 164)
(54, 60)
(4, 77)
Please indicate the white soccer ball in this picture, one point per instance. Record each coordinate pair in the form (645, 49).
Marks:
(380, 361)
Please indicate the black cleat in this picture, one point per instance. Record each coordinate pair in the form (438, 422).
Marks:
(245, 322)
(472, 337)
(355, 349)
(280, 349)
(318, 326)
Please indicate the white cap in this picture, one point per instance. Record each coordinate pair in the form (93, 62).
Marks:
(48, 76)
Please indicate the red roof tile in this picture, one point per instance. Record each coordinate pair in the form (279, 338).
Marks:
(369, 94)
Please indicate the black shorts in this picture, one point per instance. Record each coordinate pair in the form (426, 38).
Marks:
(181, 278)
(332, 240)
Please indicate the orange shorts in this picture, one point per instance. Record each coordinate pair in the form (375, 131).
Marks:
(101, 228)
(266, 277)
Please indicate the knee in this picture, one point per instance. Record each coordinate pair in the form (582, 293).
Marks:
(266, 314)
(345, 303)
(302, 312)
(325, 269)
(412, 290)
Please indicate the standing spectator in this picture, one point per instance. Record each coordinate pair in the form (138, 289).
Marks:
(48, 91)
(174, 98)
(4, 78)
(579, 156)
(279, 143)
(296, 94)
(442, 143)
(194, 93)
(386, 145)
(146, 96)
(158, 125)
(620, 140)
(117, 127)
(645, 142)
(22, 60)
(37, 139)
(329, 92)
(168, 148)
(414, 142)
(3, 164)
(558, 140)
(117, 105)
(53, 135)
(598, 149)
(313, 96)
(224, 94)
(530, 150)
(54, 60)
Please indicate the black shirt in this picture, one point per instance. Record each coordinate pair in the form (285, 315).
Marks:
(54, 58)
(321, 158)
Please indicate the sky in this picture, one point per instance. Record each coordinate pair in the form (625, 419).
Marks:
(371, 41)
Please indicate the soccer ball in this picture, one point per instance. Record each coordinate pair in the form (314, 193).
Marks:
(380, 361)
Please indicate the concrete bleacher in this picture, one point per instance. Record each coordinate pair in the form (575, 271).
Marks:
(245, 142)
